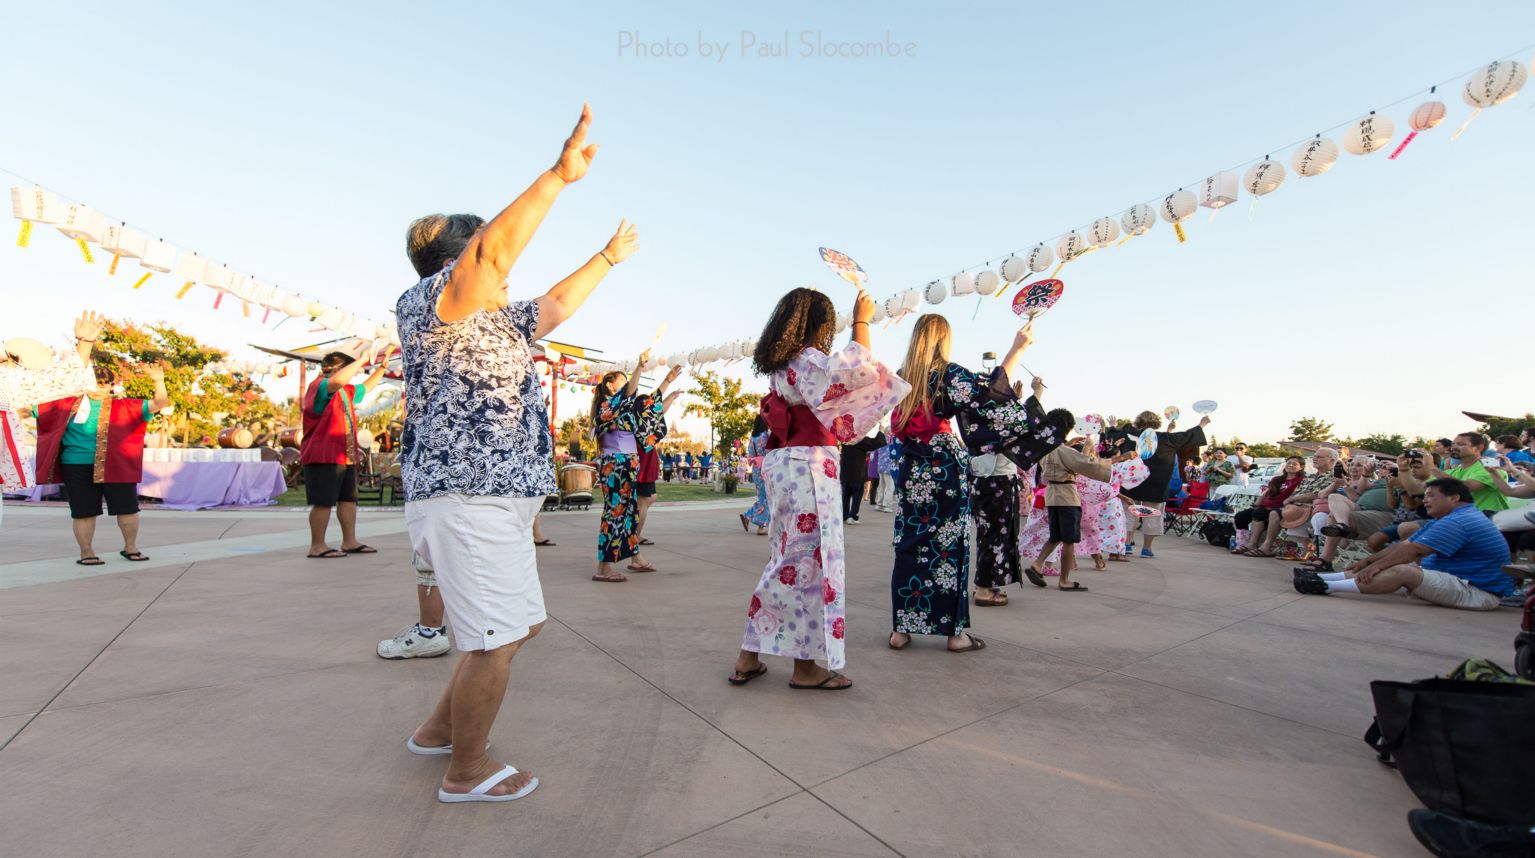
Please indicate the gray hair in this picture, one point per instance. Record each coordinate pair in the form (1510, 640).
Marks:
(437, 239)
(1329, 452)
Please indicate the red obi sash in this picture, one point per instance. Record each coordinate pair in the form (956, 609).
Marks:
(793, 425)
(922, 427)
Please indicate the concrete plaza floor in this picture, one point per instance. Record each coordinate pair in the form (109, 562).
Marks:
(224, 699)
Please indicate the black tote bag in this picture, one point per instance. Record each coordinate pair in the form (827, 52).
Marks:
(1465, 748)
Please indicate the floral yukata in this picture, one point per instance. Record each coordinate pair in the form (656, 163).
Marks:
(625, 426)
(760, 513)
(1104, 526)
(798, 609)
(929, 586)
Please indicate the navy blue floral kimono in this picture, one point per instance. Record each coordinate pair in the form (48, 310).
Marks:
(929, 587)
(642, 417)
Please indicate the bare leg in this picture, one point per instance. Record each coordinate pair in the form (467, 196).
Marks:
(644, 507)
(129, 525)
(1044, 552)
(319, 519)
(85, 533)
(1068, 563)
(474, 700)
(429, 599)
(346, 515)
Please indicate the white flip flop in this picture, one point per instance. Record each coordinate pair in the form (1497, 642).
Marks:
(431, 750)
(479, 792)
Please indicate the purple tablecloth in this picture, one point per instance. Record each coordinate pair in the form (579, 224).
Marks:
(199, 485)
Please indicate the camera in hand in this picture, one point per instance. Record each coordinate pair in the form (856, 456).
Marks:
(1337, 470)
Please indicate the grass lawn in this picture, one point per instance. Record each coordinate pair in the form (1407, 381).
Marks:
(665, 493)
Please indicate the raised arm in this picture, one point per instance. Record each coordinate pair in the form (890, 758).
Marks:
(567, 296)
(162, 398)
(478, 281)
(379, 371)
(1021, 341)
(87, 333)
(633, 386)
(863, 311)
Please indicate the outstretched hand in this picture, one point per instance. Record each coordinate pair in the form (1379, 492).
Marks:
(577, 155)
(156, 373)
(1037, 386)
(625, 241)
(863, 307)
(1025, 337)
(89, 325)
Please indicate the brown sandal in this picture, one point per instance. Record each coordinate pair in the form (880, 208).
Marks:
(612, 577)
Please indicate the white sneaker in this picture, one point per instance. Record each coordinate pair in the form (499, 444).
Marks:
(415, 641)
(850, 521)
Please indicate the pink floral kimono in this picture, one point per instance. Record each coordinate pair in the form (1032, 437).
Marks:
(799, 606)
(1104, 526)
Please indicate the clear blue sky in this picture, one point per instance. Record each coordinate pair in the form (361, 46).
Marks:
(296, 140)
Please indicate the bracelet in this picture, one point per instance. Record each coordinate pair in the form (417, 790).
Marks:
(83, 340)
(860, 322)
(604, 254)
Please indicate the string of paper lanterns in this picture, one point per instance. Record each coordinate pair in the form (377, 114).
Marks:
(86, 227)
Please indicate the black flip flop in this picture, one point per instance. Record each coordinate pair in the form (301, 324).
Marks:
(134, 556)
(739, 678)
(976, 645)
(1076, 587)
(92, 560)
(822, 685)
(327, 554)
(361, 549)
(1034, 577)
(547, 543)
(646, 542)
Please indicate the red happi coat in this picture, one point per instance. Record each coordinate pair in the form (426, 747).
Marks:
(327, 440)
(119, 440)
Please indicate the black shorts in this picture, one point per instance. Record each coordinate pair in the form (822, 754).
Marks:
(85, 496)
(1065, 523)
(328, 485)
(645, 490)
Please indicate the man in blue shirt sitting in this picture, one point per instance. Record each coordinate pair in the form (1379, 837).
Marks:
(1456, 560)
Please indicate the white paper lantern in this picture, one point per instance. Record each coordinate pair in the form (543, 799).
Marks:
(987, 281)
(1263, 177)
(295, 305)
(331, 319)
(1138, 219)
(1314, 157)
(216, 275)
(891, 306)
(962, 283)
(1103, 232)
(1070, 246)
(315, 310)
(123, 240)
(843, 320)
(1014, 268)
(936, 292)
(238, 285)
(82, 222)
(879, 313)
(911, 300)
(190, 267)
(1219, 190)
(1494, 84)
(1426, 116)
(159, 256)
(1039, 257)
(1370, 134)
(1177, 206)
(36, 205)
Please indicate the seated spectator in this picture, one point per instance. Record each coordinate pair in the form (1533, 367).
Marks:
(1466, 450)
(1407, 511)
(1359, 507)
(1264, 516)
(1441, 451)
(1456, 560)
(1509, 447)
(1219, 471)
(1314, 492)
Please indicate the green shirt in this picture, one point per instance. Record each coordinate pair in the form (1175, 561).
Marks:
(79, 447)
(1488, 499)
(1220, 472)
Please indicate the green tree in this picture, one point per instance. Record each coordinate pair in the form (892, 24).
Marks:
(1506, 426)
(729, 411)
(1257, 451)
(1310, 429)
(1378, 442)
(204, 403)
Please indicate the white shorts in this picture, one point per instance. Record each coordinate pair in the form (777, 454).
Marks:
(481, 549)
(1150, 525)
(1442, 588)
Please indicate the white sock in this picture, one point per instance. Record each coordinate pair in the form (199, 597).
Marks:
(1347, 585)
(1332, 576)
